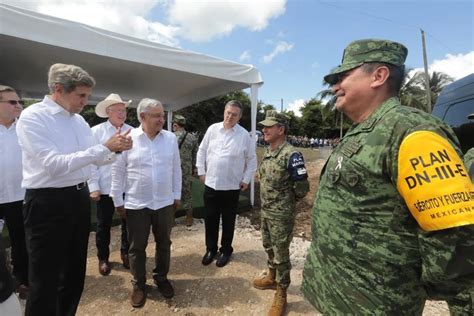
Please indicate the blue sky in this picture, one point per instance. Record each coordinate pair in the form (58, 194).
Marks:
(293, 43)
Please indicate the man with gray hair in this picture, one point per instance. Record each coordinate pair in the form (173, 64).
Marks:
(58, 151)
(150, 176)
(226, 162)
(114, 109)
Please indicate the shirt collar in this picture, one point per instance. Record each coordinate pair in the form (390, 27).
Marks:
(54, 108)
(111, 127)
(13, 126)
(233, 128)
(139, 132)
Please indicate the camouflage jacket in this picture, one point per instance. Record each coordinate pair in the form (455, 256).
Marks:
(368, 254)
(283, 179)
(187, 151)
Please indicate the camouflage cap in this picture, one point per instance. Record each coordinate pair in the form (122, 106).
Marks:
(179, 119)
(273, 117)
(366, 51)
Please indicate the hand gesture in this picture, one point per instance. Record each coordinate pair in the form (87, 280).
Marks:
(119, 142)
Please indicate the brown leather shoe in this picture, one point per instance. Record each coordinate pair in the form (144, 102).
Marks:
(125, 260)
(104, 267)
(138, 297)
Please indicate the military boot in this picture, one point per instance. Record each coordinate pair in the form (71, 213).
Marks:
(279, 302)
(266, 282)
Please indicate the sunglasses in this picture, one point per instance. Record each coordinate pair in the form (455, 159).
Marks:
(14, 102)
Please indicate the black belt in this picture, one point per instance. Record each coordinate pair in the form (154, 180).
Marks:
(77, 187)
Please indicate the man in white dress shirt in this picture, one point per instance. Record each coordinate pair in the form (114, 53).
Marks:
(58, 152)
(11, 192)
(115, 110)
(150, 175)
(226, 162)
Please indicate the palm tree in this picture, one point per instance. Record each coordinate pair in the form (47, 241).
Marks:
(413, 91)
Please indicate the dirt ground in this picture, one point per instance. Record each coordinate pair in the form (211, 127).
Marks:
(209, 290)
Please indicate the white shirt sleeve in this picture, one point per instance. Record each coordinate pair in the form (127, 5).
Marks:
(201, 155)
(177, 177)
(34, 140)
(119, 169)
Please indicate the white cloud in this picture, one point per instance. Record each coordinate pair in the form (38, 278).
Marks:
(245, 56)
(456, 66)
(190, 19)
(205, 20)
(280, 48)
(125, 17)
(296, 106)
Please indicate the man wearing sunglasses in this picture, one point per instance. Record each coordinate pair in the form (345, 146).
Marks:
(11, 193)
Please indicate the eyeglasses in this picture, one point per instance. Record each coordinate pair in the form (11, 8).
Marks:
(14, 102)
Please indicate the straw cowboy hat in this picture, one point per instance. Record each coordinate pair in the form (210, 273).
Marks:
(112, 98)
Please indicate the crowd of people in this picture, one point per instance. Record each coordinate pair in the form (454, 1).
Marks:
(312, 142)
(393, 218)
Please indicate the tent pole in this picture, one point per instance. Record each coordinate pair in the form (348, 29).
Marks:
(253, 99)
(170, 120)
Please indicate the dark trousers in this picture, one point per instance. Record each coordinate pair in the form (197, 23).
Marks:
(105, 213)
(139, 222)
(57, 224)
(220, 203)
(13, 215)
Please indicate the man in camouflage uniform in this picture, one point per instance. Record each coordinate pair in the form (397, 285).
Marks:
(390, 228)
(188, 145)
(283, 180)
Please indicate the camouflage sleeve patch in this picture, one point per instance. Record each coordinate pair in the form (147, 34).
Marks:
(434, 183)
(296, 167)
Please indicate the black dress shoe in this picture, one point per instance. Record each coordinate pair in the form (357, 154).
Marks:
(208, 257)
(222, 260)
(125, 260)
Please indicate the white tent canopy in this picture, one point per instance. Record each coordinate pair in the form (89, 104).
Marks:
(31, 42)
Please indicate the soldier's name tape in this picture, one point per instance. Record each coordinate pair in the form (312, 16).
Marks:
(434, 183)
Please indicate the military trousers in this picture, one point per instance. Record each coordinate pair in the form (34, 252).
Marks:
(277, 235)
(186, 191)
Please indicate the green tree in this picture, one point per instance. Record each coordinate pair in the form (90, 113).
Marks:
(294, 123)
(202, 114)
(413, 90)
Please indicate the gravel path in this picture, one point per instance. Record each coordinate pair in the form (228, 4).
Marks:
(201, 290)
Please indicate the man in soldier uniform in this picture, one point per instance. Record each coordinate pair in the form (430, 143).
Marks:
(283, 180)
(188, 145)
(393, 218)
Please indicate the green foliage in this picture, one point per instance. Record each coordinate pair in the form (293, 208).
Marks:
(202, 114)
(413, 90)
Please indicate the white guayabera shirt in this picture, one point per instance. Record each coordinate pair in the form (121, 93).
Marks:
(226, 157)
(149, 173)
